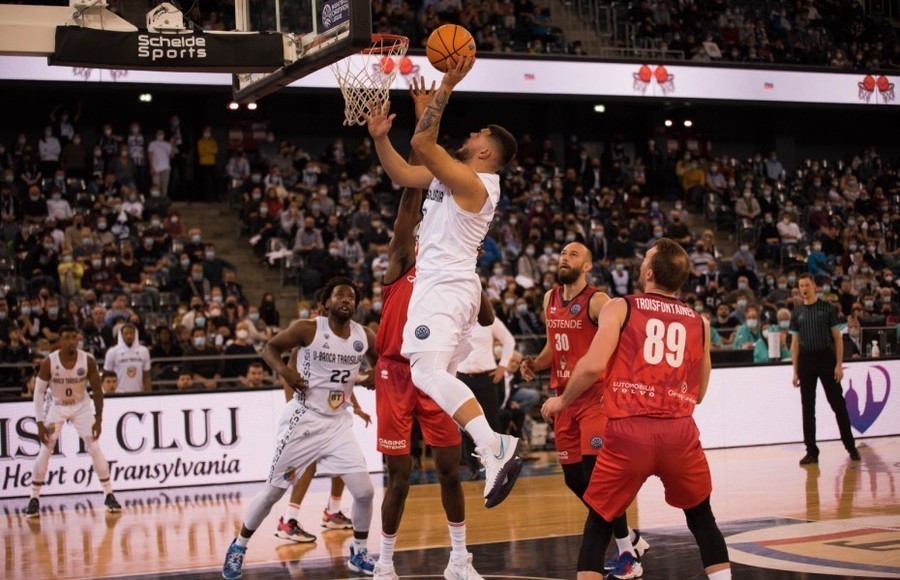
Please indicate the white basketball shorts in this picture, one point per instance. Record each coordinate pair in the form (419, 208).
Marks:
(81, 415)
(442, 310)
(305, 436)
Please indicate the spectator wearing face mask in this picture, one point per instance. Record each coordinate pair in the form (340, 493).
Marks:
(205, 370)
(771, 346)
(71, 273)
(214, 266)
(853, 341)
(817, 263)
(238, 353)
(748, 333)
(743, 254)
(747, 206)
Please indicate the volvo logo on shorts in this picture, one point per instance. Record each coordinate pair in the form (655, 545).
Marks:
(575, 309)
(422, 332)
(358, 345)
(596, 443)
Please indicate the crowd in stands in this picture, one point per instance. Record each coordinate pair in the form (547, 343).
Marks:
(837, 33)
(92, 240)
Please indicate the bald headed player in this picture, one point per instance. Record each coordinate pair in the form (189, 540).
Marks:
(571, 311)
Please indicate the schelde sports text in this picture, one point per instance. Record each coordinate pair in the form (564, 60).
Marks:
(157, 47)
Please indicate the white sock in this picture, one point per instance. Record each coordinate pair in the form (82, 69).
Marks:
(292, 512)
(632, 536)
(386, 552)
(36, 490)
(458, 539)
(107, 486)
(334, 504)
(482, 433)
(721, 575)
(625, 545)
(241, 541)
(360, 545)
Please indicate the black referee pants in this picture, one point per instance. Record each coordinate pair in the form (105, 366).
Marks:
(487, 395)
(812, 367)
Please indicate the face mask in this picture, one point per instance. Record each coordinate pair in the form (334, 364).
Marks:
(886, 299)
(869, 303)
(333, 251)
(510, 301)
(522, 308)
(745, 248)
(552, 268)
(56, 196)
(215, 313)
(791, 280)
(96, 263)
(871, 249)
(263, 210)
(207, 134)
(48, 247)
(498, 271)
(376, 306)
(698, 307)
(529, 251)
(67, 259)
(195, 238)
(200, 321)
(785, 324)
(254, 316)
(741, 303)
(548, 250)
(570, 238)
(864, 270)
(513, 221)
(303, 313)
(199, 341)
(101, 226)
(768, 220)
(242, 334)
(53, 311)
(852, 247)
(197, 277)
(817, 248)
(853, 332)
(752, 323)
(210, 255)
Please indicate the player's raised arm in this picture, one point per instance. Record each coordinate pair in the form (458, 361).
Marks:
(397, 168)
(459, 177)
(300, 332)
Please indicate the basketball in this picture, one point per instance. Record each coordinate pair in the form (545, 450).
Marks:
(447, 44)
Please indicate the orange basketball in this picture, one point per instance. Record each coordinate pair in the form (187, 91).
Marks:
(447, 44)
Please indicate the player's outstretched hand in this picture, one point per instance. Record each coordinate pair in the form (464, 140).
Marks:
(420, 95)
(43, 433)
(454, 75)
(379, 120)
(97, 429)
(526, 369)
(294, 380)
(551, 408)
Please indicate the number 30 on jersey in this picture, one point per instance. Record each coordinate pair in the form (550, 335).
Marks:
(665, 343)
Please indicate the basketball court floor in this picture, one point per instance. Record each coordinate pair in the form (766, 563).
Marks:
(781, 521)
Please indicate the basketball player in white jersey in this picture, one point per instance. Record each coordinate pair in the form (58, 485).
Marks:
(463, 191)
(315, 426)
(67, 372)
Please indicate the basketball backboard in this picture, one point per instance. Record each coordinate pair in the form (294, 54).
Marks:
(321, 32)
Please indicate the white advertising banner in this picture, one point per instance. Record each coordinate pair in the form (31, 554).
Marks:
(759, 405)
(544, 76)
(161, 441)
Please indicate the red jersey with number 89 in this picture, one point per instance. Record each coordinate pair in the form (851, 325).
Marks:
(655, 370)
(570, 331)
(395, 304)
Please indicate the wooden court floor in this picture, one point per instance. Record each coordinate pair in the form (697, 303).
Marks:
(781, 521)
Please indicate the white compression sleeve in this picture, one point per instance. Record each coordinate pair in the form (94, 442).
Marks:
(40, 397)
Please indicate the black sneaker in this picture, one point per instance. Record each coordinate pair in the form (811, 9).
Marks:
(854, 455)
(810, 458)
(112, 506)
(34, 508)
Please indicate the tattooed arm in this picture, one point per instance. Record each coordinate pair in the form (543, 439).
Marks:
(468, 190)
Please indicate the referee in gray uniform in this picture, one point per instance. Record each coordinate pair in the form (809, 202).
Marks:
(816, 353)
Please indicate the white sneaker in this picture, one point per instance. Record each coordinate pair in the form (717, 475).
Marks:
(463, 571)
(500, 470)
(385, 572)
(640, 544)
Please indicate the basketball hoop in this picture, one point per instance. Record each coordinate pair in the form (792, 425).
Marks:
(367, 77)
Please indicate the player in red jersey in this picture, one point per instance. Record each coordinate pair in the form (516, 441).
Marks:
(655, 353)
(571, 311)
(397, 399)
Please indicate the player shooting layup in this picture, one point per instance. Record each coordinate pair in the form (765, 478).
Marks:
(67, 372)
(655, 352)
(463, 191)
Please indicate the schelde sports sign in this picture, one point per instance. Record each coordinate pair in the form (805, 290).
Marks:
(515, 76)
(760, 406)
(86, 47)
(160, 442)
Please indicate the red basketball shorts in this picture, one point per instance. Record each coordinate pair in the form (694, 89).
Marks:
(579, 430)
(396, 401)
(638, 447)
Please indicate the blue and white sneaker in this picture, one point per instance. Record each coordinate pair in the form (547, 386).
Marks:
(234, 562)
(361, 562)
(641, 546)
(500, 471)
(626, 567)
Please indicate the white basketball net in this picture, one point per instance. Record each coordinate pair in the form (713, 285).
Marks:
(367, 77)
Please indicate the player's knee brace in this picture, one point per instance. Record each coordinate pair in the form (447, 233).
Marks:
(597, 533)
(429, 374)
(261, 505)
(573, 474)
(702, 523)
